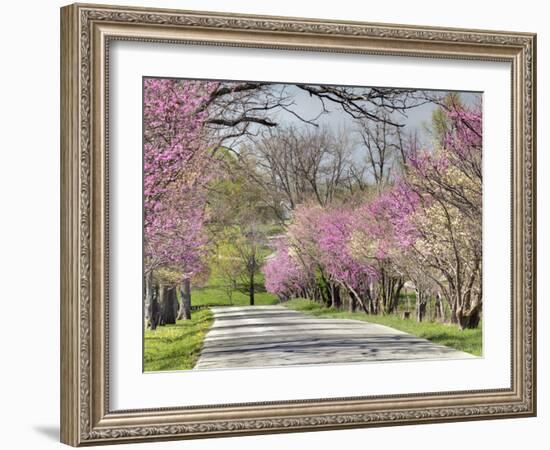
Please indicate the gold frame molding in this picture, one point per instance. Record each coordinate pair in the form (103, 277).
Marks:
(86, 31)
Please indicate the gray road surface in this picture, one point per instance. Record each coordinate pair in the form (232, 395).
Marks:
(260, 336)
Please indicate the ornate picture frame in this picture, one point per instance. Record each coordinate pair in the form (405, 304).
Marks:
(86, 34)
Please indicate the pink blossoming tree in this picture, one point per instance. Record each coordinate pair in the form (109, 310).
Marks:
(175, 159)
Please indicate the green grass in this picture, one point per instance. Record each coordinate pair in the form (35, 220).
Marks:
(176, 347)
(214, 293)
(469, 341)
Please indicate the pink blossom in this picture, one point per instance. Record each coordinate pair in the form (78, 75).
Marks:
(174, 160)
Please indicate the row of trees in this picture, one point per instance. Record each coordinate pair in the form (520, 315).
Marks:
(176, 162)
(420, 227)
(220, 169)
(185, 125)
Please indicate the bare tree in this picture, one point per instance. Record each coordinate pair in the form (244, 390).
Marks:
(249, 248)
(296, 165)
(239, 110)
(367, 103)
(384, 148)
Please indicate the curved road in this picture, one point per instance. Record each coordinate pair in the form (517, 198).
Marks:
(260, 336)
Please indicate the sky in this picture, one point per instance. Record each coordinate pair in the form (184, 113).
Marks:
(416, 119)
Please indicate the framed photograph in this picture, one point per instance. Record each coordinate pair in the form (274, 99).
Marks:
(278, 224)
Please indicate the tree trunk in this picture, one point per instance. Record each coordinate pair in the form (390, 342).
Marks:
(454, 308)
(352, 303)
(335, 296)
(148, 300)
(371, 304)
(397, 286)
(469, 318)
(421, 301)
(173, 304)
(359, 300)
(439, 308)
(380, 294)
(317, 294)
(162, 304)
(184, 312)
(324, 290)
(153, 307)
(389, 289)
(251, 289)
(168, 304)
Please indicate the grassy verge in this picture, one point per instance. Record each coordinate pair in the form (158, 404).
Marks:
(176, 347)
(214, 293)
(469, 341)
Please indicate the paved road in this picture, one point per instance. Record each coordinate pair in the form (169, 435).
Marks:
(259, 336)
